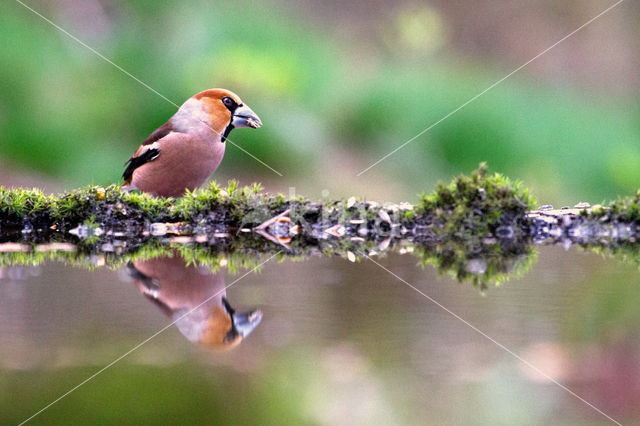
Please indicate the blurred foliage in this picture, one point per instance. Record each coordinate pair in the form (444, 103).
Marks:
(182, 391)
(70, 114)
(546, 136)
(609, 314)
(67, 113)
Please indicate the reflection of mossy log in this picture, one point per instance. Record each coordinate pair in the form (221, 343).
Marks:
(478, 227)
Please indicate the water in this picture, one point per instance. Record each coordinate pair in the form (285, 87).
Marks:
(338, 343)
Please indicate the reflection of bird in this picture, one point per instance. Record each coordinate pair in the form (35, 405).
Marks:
(178, 289)
(183, 152)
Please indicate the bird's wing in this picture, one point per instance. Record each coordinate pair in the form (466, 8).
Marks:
(159, 133)
(150, 284)
(143, 155)
(148, 151)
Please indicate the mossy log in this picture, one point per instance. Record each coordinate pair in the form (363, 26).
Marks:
(473, 227)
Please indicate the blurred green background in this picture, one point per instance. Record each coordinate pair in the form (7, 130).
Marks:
(338, 86)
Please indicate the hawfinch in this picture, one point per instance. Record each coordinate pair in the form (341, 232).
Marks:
(178, 289)
(182, 153)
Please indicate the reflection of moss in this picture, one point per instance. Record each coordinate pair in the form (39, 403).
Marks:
(493, 263)
(483, 265)
(476, 229)
(201, 255)
(626, 252)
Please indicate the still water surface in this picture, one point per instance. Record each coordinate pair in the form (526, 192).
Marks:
(337, 343)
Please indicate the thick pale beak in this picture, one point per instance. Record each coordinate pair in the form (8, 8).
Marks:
(243, 323)
(246, 322)
(245, 117)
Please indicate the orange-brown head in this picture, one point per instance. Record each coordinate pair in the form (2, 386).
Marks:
(224, 328)
(219, 327)
(224, 111)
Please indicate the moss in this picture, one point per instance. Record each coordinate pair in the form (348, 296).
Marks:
(623, 209)
(476, 228)
(480, 202)
(483, 191)
(476, 205)
(18, 203)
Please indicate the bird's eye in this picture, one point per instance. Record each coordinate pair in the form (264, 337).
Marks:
(228, 102)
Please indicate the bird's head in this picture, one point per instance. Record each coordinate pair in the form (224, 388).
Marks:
(225, 328)
(224, 111)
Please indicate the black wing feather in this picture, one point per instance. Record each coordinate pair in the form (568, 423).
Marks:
(135, 162)
(151, 284)
(150, 154)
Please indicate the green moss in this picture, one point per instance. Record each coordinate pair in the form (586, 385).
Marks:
(479, 201)
(475, 229)
(23, 202)
(488, 192)
(623, 209)
(477, 204)
(152, 206)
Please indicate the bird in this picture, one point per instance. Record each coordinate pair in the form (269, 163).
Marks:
(195, 299)
(182, 153)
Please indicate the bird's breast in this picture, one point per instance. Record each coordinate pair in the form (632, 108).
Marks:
(185, 162)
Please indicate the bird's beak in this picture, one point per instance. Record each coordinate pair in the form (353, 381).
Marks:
(246, 322)
(243, 323)
(243, 116)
